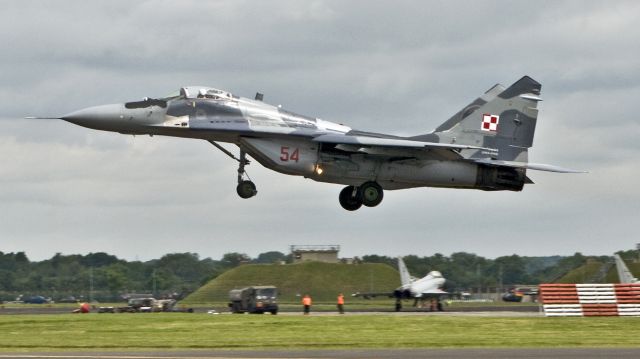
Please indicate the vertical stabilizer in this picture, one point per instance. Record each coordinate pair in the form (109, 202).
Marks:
(503, 119)
(405, 278)
(624, 274)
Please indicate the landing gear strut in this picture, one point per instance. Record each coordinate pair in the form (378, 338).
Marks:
(246, 188)
(369, 194)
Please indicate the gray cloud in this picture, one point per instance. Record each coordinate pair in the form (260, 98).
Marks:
(401, 67)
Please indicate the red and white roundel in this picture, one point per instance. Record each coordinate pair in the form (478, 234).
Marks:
(490, 122)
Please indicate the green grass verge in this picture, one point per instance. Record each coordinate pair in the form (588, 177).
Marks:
(172, 331)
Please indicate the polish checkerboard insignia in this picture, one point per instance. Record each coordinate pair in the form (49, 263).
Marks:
(490, 122)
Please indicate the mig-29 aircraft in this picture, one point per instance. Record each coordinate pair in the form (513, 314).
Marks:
(483, 146)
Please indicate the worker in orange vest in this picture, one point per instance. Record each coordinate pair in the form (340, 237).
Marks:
(306, 302)
(341, 303)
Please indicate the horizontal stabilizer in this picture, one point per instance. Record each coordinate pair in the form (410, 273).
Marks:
(527, 165)
(391, 142)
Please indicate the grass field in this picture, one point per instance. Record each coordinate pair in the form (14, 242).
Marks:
(200, 331)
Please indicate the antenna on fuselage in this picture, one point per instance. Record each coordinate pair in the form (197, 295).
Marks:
(259, 96)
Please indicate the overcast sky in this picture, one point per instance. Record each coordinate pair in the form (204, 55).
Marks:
(399, 67)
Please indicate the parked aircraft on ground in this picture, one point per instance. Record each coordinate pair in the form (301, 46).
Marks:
(420, 289)
(483, 146)
(624, 274)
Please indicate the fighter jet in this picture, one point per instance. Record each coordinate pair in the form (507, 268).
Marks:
(483, 146)
(420, 289)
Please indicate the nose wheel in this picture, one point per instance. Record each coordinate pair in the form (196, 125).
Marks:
(369, 194)
(246, 188)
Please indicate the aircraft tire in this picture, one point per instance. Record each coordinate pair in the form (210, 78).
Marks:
(246, 189)
(371, 193)
(348, 201)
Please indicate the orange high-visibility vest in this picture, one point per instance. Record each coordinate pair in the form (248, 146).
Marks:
(341, 299)
(306, 301)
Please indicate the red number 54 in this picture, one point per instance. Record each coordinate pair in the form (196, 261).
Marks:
(286, 155)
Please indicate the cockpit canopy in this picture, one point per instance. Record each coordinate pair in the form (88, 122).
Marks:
(189, 92)
(205, 92)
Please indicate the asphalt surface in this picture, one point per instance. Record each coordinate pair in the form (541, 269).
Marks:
(562, 353)
(490, 309)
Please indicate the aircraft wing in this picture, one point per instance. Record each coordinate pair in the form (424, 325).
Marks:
(365, 141)
(527, 165)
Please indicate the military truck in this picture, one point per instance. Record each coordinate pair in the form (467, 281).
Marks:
(255, 300)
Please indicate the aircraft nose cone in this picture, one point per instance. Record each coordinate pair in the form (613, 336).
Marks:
(98, 117)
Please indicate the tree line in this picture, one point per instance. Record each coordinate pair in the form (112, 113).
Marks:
(104, 277)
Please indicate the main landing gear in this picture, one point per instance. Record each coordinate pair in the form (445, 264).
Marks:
(246, 188)
(369, 194)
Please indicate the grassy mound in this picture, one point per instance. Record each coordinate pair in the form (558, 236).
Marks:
(589, 269)
(583, 273)
(323, 281)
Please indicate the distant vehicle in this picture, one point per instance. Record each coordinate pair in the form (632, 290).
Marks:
(513, 296)
(146, 305)
(420, 289)
(36, 299)
(255, 300)
(142, 305)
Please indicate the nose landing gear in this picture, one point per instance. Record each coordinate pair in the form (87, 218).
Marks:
(246, 188)
(369, 194)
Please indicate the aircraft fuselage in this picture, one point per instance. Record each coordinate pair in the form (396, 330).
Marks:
(483, 146)
(282, 141)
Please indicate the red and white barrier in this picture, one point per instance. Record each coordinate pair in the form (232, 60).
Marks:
(590, 299)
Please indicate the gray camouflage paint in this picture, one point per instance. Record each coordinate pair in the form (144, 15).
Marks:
(265, 132)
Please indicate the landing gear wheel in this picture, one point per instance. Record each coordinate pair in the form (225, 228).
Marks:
(348, 200)
(371, 194)
(246, 189)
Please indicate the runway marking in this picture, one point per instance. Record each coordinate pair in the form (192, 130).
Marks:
(123, 357)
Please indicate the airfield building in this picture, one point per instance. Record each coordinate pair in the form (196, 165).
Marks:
(318, 253)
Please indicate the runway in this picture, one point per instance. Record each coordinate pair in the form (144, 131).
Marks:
(619, 353)
(488, 310)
